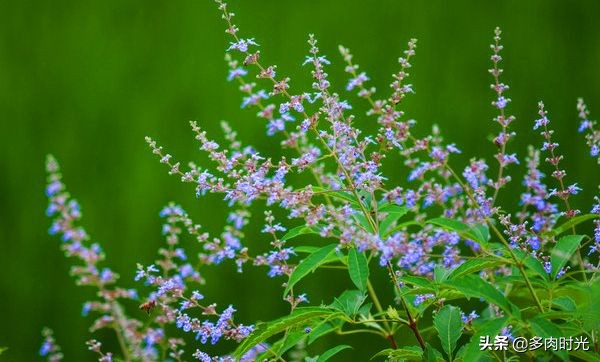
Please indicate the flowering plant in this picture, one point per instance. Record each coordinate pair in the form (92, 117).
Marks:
(441, 238)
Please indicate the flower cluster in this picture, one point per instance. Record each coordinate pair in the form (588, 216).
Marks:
(436, 225)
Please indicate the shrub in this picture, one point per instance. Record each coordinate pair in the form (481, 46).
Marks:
(441, 237)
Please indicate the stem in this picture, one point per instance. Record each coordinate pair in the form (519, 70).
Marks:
(519, 264)
(389, 335)
(118, 315)
(412, 323)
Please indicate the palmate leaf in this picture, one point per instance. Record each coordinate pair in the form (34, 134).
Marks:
(448, 324)
(349, 302)
(309, 265)
(562, 252)
(299, 317)
(358, 268)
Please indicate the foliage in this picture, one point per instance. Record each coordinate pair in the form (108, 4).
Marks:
(442, 238)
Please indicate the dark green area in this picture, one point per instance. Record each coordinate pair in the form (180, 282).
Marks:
(87, 81)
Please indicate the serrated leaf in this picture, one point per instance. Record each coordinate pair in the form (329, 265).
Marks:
(448, 324)
(490, 329)
(358, 268)
(565, 303)
(473, 265)
(440, 274)
(263, 331)
(544, 328)
(569, 224)
(432, 354)
(392, 313)
(412, 353)
(332, 352)
(562, 252)
(474, 286)
(309, 265)
(299, 230)
(349, 302)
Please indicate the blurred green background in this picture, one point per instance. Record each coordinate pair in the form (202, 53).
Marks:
(87, 80)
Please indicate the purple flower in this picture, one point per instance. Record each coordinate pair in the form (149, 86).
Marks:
(242, 45)
(420, 298)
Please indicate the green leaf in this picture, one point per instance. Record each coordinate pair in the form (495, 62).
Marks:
(542, 327)
(402, 226)
(412, 353)
(349, 302)
(394, 212)
(569, 224)
(565, 303)
(474, 286)
(358, 268)
(418, 281)
(299, 230)
(489, 328)
(481, 231)
(562, 252)
(471, 233)
(306, 249)
(332, 352)
(362, 220)
(3, 349)
(440, 274)
(449, 327)
(288, 341)
(263, 331)
(432, 354)
(323, 329)
(588, 356)
(532, 263)
(309, 265)
(337, 194)
(472, 266)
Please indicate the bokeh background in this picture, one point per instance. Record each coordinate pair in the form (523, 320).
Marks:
(87, 80)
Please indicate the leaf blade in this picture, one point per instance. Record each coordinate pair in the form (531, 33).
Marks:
(358, 269)
(449, 327)
(266, 330)
(308, 265)
(332, 352)
(562, 252)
